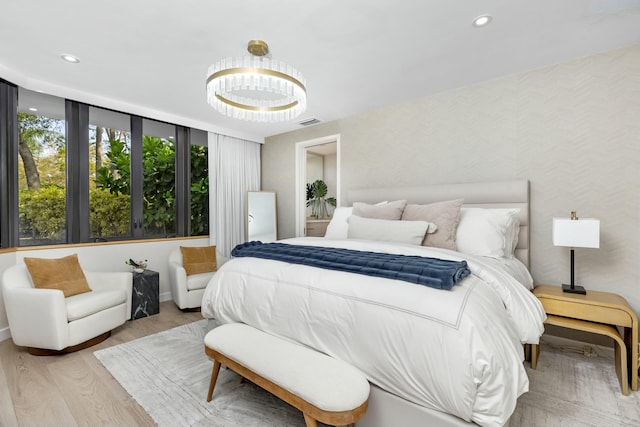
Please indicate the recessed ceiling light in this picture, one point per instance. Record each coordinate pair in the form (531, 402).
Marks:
(33, 109)
(482, 20)
(70, 58)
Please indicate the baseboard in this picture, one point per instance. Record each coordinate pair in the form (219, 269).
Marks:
(165, 296)
(5, 333)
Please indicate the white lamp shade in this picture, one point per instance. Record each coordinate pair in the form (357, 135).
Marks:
(576, 233)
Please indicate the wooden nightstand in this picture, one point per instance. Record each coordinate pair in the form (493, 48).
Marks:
(317, 227)
(600, 313)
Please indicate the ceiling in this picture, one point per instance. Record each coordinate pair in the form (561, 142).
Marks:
(150, 57)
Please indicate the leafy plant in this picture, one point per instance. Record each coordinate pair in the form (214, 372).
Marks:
(42, 213)
(317, 200)
(199, 191)
(108, 213)
(309, 192)
(158, 184)
(140, 264)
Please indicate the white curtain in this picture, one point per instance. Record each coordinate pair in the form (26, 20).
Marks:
(234, 169)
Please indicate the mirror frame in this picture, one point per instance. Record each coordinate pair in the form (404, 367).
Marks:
(275, 214)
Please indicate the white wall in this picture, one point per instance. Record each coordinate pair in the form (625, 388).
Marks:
(330, 174)
(315, 167)
(572, 130)
(105, 257)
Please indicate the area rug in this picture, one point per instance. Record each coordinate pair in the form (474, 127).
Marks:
(168, 375)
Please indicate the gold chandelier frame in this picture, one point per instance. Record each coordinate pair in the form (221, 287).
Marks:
(256, 74)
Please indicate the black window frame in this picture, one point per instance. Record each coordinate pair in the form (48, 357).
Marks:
(78, 179)
(8, 164)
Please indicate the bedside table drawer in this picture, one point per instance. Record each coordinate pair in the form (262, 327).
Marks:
(583, 311)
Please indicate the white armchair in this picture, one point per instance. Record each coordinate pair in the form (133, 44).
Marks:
(48, 323)
(187, 291)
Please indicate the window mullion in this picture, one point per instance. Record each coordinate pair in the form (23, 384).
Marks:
(77, 157)
(136, 192)
(183, 181)
(9, 236)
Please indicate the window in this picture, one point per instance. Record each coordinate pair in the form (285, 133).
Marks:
(80, 173)
(109, 174)
(158, 179)
(41, 169)
(199, 195)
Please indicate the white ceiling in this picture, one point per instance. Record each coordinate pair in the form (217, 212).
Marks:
(150, 57)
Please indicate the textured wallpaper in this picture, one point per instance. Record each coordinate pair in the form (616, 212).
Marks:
(572, 130)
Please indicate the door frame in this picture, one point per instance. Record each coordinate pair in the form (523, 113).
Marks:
(301, 177)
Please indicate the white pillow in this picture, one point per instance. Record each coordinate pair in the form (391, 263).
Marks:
(408, 232)
(488, 232)
(338, 226)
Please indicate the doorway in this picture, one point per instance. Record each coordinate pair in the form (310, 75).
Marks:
(316, 159)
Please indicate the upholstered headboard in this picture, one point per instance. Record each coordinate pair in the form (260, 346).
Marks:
(500, 194)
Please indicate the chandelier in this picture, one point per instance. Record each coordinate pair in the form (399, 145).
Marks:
(256, 88)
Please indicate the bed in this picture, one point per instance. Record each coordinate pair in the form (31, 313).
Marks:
(434, 357)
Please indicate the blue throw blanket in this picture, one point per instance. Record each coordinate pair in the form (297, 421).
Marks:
(432, 272)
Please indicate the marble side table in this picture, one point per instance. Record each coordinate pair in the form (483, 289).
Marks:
(145, 297)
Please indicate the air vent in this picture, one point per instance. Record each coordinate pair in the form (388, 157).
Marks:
(309, 122)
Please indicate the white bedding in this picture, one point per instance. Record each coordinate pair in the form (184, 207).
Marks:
(457, 351)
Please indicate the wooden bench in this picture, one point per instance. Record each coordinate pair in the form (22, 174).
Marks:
(323, 388)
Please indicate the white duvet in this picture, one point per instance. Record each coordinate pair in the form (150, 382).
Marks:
(457, 351)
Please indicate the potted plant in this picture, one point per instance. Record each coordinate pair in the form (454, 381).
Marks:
(137, 266)
(317, 199)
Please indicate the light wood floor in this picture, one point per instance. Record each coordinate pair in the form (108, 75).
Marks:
(75, 389)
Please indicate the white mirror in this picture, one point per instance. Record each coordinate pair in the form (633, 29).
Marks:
(261, 216)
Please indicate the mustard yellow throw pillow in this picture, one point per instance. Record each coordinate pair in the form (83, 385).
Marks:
(63, 274)
(198, 259)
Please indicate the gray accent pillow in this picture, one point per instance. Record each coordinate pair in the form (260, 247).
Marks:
(446, 215)
(391, 210)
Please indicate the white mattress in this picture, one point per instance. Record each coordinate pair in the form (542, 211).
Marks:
(457, 351)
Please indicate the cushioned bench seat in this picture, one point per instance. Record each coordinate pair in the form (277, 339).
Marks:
(324, 389)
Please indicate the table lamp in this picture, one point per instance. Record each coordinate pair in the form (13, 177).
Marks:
(576, 233)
